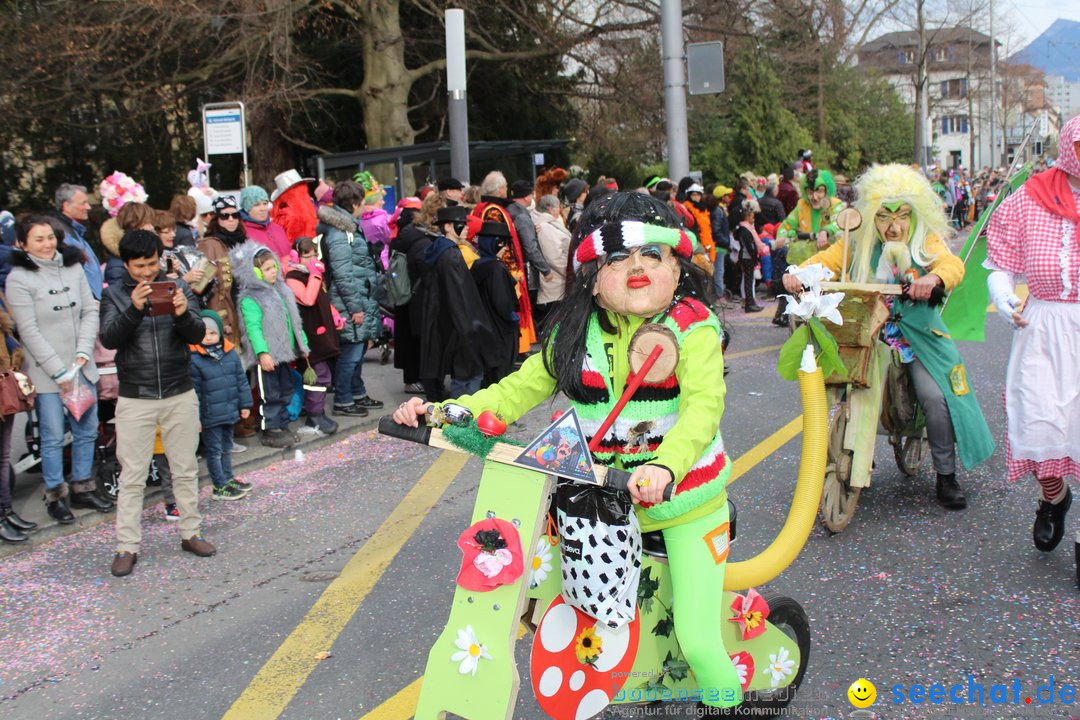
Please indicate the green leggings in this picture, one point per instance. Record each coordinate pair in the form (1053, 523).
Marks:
(698, 588)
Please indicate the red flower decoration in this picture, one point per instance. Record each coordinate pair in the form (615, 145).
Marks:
(751, 611)
(744, 667)
(483, 575)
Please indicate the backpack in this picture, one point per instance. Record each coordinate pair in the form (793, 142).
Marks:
(396, 285)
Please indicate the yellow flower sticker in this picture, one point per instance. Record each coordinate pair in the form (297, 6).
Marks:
(588, 646)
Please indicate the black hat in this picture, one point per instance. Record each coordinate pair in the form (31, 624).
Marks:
(450, 184)
(573, 188)
(521, 189)
(451, 214)
(225, 202)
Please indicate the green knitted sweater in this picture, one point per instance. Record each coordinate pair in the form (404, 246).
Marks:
(674, 424)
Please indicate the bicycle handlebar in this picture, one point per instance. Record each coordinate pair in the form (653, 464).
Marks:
(611, 477)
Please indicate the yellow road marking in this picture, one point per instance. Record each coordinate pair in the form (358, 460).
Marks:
(765, 448)
(274, 686)
(401, 706)
(403, 703)
(748, 353)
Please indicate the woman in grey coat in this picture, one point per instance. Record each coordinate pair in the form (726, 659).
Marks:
(56, 317)
(353, 288)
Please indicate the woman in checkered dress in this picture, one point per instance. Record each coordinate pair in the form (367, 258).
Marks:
(1036, 233)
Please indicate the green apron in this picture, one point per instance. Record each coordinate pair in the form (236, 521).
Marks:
(929, 338)
(924, 329)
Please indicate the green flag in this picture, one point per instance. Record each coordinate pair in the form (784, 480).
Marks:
(964, 311)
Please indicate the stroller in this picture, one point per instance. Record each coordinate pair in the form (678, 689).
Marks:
(106, 466)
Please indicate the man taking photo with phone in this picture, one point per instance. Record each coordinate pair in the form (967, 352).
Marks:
(155, 390)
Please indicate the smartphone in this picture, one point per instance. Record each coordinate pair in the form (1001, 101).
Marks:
(161, 295)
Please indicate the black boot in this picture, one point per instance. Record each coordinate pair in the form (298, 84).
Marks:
(56, 505)
(84, 495)
(949, 493)
(1050, 522)
(18, 522)
(8, 532)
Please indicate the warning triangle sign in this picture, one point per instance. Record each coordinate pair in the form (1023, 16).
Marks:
(561, 450)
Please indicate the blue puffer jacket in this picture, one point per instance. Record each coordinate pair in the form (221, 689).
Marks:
(221, 385)
(353, 282)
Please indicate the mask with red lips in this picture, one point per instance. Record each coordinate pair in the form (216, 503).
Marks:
(640, 281)
(638, 265)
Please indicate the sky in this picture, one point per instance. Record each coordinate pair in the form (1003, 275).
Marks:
(1032, 17)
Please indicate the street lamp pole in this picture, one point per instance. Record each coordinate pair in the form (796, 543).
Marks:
(458, 108)
(671, 35)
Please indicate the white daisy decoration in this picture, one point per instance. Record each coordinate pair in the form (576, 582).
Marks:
(780, 666)
(470, 651)
(541, 563)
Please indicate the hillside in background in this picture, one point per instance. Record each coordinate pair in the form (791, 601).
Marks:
(1056, 51)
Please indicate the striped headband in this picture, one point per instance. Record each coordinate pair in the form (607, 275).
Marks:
(630, 234)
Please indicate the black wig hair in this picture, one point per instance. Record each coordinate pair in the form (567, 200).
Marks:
(565, 330)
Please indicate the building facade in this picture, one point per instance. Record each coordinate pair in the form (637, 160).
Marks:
(1063, 95)
(958, 90)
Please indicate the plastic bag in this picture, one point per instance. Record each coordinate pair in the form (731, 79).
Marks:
(600, 544)
(79, 396)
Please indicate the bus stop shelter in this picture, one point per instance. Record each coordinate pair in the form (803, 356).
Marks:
(425, 160)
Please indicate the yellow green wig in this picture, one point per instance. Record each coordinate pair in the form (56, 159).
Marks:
(373, 191)
(891, 185)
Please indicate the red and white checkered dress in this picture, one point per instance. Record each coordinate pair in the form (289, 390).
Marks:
(1042, 387)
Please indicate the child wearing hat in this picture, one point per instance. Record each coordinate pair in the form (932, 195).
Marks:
(273, 337)
(224, 397)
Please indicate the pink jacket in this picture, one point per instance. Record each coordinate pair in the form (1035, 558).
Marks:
(272, 236)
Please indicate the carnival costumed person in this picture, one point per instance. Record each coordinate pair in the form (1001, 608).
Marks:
(632, 266)
(902, 240)
(814, 216)
(493, 209)
(292, 207)
(1035, 232)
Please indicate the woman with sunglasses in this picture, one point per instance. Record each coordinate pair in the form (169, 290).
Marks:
(224, 232)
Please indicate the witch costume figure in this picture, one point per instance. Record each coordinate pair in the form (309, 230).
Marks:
(1035, 233)
(902, 240)
(631, 267)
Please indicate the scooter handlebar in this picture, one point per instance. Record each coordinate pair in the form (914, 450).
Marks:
(420, 434)
(620, 480)
(612, 477)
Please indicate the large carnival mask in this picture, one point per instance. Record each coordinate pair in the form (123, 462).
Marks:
(639, 281)
(819, 197)
(893, 225)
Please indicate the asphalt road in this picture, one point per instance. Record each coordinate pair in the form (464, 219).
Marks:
(909, 593)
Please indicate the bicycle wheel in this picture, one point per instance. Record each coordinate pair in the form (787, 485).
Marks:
(838, 498)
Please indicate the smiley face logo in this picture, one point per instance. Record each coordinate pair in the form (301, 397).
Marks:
(862, 693)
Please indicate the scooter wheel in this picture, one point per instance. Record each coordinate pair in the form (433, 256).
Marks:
(787, 615)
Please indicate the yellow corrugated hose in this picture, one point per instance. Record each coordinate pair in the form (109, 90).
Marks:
(773, 560)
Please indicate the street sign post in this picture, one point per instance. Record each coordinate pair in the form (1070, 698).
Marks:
(705, 62)
(225, 133)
